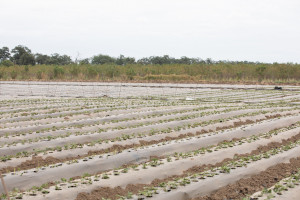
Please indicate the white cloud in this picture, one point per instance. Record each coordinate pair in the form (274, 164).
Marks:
(256, 30)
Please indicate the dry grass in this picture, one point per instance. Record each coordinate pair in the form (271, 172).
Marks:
(197, 73)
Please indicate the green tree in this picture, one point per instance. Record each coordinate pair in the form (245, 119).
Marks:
(4, 53)
(27, 59)
(122, 60)
(57, 59)
(209, 61)
(7, 63)
(161, 60)
(144, 61)
(42, 59)
(22, 56)
(102, 59)
(85, 61)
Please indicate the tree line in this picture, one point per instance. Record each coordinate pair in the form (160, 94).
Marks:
(22, 55)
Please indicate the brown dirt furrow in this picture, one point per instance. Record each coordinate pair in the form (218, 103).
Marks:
(37, 161)
(259, 150)
(193, 170)
(255, 183)
(105, 192)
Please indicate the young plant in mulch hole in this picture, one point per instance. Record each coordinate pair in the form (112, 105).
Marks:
(173, 185)
(209, 150)
(266, 155)
(147, 193)
(63, 181)
(125, 170)
(45, 191)
(233, 165)
(211, 175)
(154, 162)
(167, 188)
(116, 172)
(225, 169)
(105, 176)
(72, 185)
(57, 187)
(279, 188)
(86, 175)
(86, 181)
(134, 167)
(163, 184)
(129, 195)
(120, 197)
(202, 176)
(96, 178)
(217, 148)
(33, 193)
(290, 185)
(145, 166)
(184, 182)
(246, 160)
(194, 178)
(169, 159)
(20, 196)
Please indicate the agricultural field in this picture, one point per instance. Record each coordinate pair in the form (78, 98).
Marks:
(103, 141)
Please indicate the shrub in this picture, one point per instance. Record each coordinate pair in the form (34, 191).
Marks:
(7, 63)
(74, 71)
(92, 73)
(1, 74)
(58, 72)
(26, 68)
(13, 74)
(111, 71)
(130, 73)
(39, 74)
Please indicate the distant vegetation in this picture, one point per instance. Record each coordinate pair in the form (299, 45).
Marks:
(21, 64)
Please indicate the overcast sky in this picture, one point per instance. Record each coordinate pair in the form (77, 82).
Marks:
(253, 30)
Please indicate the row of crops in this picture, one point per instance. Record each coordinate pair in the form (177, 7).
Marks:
(192, 144)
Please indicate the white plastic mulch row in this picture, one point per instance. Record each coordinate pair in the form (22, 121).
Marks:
(96, 164)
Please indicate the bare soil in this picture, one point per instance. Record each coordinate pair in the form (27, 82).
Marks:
(255, 183)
